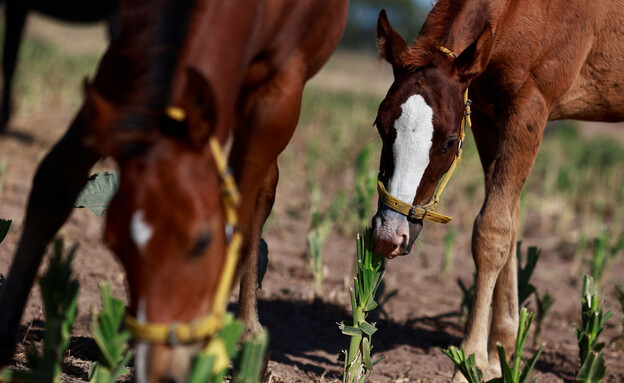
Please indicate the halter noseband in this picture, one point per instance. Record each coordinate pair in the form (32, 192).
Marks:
(207, 326)
(427, 211)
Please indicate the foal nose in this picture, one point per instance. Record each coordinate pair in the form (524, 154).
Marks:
(391, 236)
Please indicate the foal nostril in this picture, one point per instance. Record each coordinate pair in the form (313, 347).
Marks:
(167, 379)
(405, 238)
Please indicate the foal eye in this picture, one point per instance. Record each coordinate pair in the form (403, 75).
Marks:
(202, 244)
(449, 144)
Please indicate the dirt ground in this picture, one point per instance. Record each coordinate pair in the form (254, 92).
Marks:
(304, 337)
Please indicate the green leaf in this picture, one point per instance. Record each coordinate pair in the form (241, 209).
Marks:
(367, 328)
(4, 228)
(96, 195)
(593, 370)
(349, 330)
(366, 358)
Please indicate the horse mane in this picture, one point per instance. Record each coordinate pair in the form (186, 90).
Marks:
(440, 17)
(149, 41)
(433, 34)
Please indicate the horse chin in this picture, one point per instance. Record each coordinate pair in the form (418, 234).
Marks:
(162, 363)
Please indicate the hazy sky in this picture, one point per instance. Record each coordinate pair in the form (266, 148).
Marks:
(425, 3)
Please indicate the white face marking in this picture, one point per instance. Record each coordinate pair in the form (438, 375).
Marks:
(140, 231)
(411, 148)
(142, 348)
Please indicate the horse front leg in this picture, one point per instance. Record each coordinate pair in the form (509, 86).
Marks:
(271, 115)
(58, 181)
(14, 20)
(247, 301)
(494, 233)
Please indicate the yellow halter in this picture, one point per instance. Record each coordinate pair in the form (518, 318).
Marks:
(427, 211)
(207, 326)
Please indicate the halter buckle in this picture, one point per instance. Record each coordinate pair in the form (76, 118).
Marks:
(172, 338)
(229, 232)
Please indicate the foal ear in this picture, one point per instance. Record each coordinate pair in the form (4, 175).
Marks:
(473, 60)
(391, 44)
(199, 103)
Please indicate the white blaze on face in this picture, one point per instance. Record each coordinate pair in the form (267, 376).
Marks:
(414, 130)
(140, 231)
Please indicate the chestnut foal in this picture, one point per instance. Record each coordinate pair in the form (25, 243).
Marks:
(525, 62)
(178, 80)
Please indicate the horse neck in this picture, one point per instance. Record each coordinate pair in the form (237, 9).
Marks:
(455, 24)
(219, 46)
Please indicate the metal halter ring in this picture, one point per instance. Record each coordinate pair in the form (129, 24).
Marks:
(172, 338)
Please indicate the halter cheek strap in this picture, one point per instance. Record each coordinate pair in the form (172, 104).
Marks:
(426, 212)
(205, 327)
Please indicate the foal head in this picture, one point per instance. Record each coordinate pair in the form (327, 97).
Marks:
(419, 124)
(170, 226)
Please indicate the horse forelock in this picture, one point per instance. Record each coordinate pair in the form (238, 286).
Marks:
(421, 53)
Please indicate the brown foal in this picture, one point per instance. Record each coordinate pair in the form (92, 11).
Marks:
(525, 62)
(178, 76)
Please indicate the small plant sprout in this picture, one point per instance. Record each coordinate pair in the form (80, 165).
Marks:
(468, 295)
(604, 255)
(370, 271)
(212, 364)
(114, 353)
(5, 225)
(447, 245)
(60, 295)
(320, 227)
(511, 373)
(594, 322)
(365, 185)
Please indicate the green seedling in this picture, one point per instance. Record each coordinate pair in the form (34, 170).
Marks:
(211, 365)
(513, 373)
(365, 185)
(114, 354)
(249, 364)
(370, 272)
(468, 296)
(5, 225)
(604, 255)
(594, 322)
(447, 246)
(60, 295)
(320, 227)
